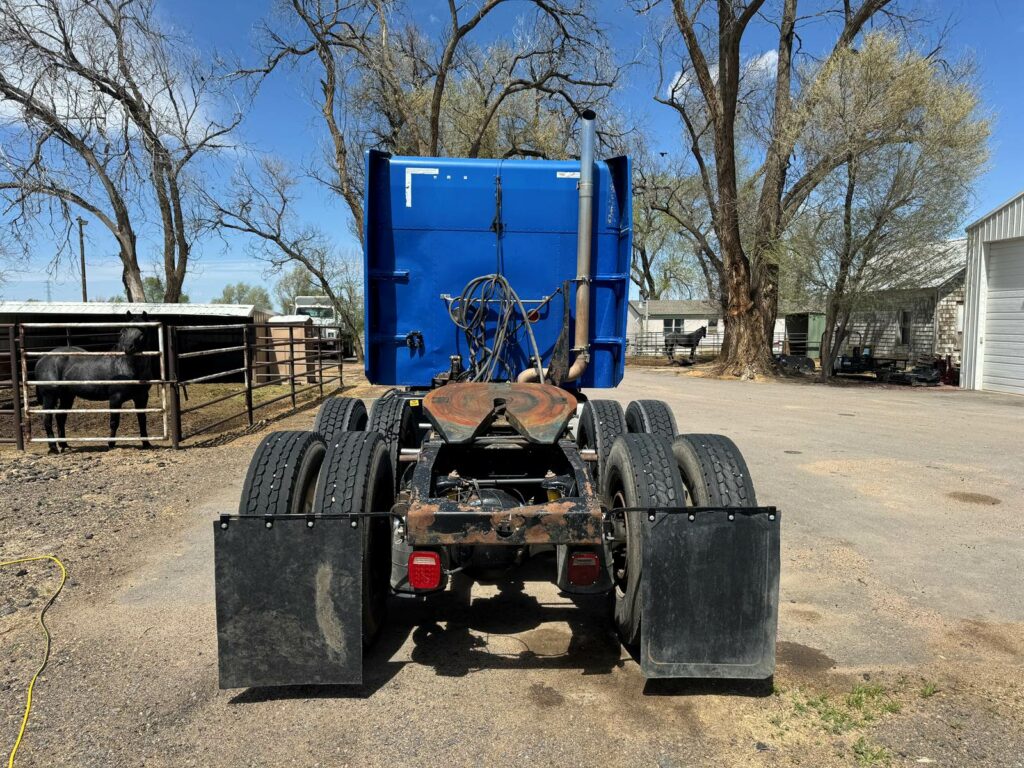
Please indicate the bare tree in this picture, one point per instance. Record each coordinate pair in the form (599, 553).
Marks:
(383, 83)
(666, 257)
(261, 205)
(880, 221)
(708, 92)
(107, 114)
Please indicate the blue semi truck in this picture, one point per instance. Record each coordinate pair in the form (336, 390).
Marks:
(496, 291)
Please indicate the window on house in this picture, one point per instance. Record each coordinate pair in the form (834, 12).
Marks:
(959, 317)
(713, 325)
(904, 326)
(673, 324)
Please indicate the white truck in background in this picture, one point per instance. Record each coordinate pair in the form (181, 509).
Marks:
(320, 309)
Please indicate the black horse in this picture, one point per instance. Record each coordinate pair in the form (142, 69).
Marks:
(691, 340)
(129, 366)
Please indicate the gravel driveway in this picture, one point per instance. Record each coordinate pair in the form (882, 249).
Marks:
(901, 624)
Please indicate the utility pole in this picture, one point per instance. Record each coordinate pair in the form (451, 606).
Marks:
(81, 254)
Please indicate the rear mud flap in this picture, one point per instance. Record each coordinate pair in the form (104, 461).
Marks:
(710, 594)
(289, 608)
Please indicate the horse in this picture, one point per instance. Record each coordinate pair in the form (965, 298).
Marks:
(691, 340)
(129, 366)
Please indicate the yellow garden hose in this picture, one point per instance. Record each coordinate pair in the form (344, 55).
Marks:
(46, 652)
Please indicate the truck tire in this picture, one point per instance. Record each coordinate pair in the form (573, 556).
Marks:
(340, 414)
(357, 477)
(652, 417)
(601, 423)
(713, 471)
(641, 472)
(395, 421)
(282, 474)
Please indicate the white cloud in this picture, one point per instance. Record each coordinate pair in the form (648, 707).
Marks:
(761, 66)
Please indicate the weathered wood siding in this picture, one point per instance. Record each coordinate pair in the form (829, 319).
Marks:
(950, 340)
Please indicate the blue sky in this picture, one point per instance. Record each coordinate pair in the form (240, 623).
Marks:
(283, 123)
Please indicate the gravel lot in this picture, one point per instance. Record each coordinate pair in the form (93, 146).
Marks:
(901, 624)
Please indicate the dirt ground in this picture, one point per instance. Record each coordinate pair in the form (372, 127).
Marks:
(901, 638)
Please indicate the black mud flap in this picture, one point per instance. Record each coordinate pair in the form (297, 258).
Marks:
(289, 608)
(710, 593)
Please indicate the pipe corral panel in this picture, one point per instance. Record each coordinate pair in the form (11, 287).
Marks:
(433, 224)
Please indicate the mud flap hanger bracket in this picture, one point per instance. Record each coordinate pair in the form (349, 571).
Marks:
(691, 514)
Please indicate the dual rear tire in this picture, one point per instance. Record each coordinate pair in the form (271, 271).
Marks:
(298, 473)
(648, 465)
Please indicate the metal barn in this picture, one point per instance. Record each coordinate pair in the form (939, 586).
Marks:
(993, 356)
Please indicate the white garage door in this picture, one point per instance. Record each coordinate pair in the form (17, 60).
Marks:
(1003, 348)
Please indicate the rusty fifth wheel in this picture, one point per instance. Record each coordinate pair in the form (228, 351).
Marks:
(473, 465)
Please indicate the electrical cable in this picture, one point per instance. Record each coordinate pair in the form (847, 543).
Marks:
(46, 652)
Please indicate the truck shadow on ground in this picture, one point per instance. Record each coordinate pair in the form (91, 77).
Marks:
(457, 634)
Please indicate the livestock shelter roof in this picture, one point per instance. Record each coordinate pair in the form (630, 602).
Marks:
(118, 307)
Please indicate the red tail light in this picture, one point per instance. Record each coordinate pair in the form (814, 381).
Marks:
(424, 570)
(584, 568)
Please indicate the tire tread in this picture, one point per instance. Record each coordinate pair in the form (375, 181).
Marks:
(339, 414)
(270, 482)
(653, 417)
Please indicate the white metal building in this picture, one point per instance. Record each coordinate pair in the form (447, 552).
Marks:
(993, 355)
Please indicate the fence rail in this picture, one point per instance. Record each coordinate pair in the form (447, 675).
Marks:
(252, 356)
(268, 355)
(652, 344)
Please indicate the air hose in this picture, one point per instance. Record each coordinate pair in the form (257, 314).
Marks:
(46, 651)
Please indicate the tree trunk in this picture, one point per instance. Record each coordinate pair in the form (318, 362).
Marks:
(769, 273)
(745, 347)
(132, 279)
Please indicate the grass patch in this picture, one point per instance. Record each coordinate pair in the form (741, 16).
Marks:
(870, 754)
(929, 689)
(864, 704)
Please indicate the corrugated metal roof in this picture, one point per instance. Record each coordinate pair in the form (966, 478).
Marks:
(116, 308)
(1001, 210)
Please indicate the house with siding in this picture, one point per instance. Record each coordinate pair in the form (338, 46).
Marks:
(648, 322)
(920, 316)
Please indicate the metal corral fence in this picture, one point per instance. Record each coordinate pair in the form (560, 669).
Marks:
(191, 360)
(652, 344)
(10, 387)
(263, 355)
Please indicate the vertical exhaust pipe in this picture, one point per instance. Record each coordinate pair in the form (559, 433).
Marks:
(584, 229)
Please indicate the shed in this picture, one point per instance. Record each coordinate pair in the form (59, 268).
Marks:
(993, 356)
